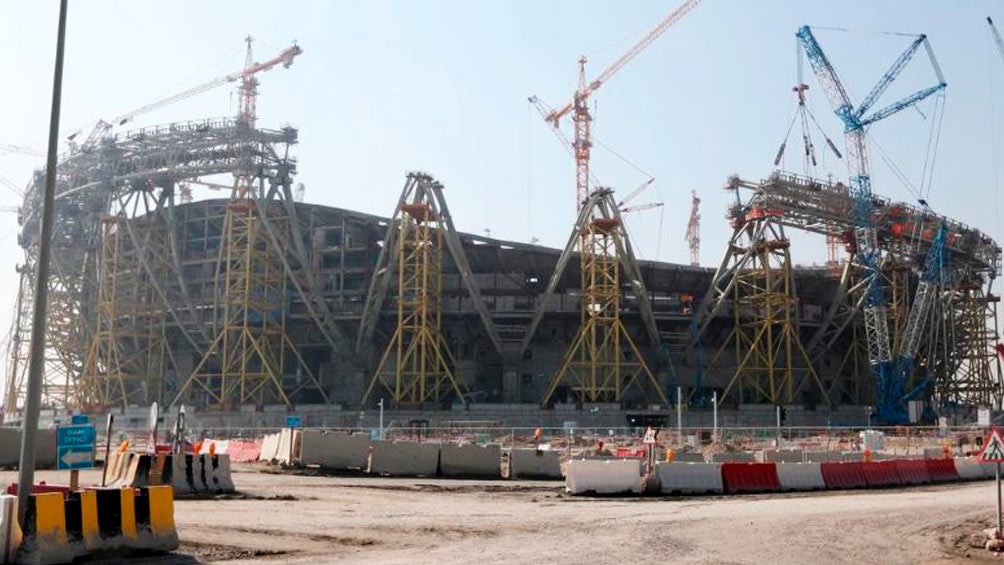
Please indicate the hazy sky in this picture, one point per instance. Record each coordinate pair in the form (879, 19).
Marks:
(384, 87)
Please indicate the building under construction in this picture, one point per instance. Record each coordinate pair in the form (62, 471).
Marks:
(258, 299)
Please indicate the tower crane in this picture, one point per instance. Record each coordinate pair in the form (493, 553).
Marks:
(888, 382)
(997, 37)
(248, 90)
(579, 107)
(693, 237)
(20, 149)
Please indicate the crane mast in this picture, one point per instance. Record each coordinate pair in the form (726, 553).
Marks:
(579, 105)
(693, 237)
(868, 252)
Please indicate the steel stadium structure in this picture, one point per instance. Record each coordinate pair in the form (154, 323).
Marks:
(259, 299)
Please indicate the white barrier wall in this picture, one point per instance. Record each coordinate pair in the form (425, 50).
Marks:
(269, 448)
(968, 468)
(780, 456)
(470, 461)
(689, 478)
(10, 531)
(800, 476)
(533, 464)
(404, 459)
(603, 477)
(337, 452)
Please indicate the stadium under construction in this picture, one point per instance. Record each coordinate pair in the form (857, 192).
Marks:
(261, 300)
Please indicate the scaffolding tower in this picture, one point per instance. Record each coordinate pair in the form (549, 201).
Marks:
(603, 361)
(771, 364)
(251, 356)
(417, 366)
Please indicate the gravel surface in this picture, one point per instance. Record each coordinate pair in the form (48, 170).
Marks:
(316, 519)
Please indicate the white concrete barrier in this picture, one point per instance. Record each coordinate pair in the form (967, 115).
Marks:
(10, 448)
(269, 448)
(470, 461)
(218, 477)
(336, 452)
(284, 453)
(603, 477)
(404, 459)
(10, 531)
(739, 456)
(968, 468)
(800, 476)
(689, 457)
(689, 478)
(831, 456)
(534, 464)
(780, 456)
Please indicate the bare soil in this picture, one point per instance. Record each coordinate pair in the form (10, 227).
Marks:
(280, 518)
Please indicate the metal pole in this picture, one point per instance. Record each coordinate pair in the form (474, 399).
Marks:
(778, 410)
(714, 404)
(381, 418)
(999, 520)
(679, 413)
(26, 466)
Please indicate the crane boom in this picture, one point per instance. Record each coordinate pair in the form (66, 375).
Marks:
(5, 148)
(285, 58)
(888, 381)
(997, 37)
(653, 34)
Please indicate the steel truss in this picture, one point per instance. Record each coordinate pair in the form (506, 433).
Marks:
(417, 367)
(135, 175)
(603, 362)
(771, 364)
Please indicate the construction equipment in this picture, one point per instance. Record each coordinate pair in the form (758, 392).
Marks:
(997, 37)
(248, 90)
(693, 236)
(868, 252)
(579, 105)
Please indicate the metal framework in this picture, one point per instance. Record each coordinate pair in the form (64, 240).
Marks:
(771, 364)
(602, 362)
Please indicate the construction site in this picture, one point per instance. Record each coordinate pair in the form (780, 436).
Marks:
(258, 302)
(357, 373)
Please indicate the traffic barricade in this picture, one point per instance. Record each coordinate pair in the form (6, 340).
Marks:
(968, 468)
(689, 478)
(912, 471)
(618, 476)
(800, 476)
(941, 470)
(750, 477)
(881, 473)
(843, 475)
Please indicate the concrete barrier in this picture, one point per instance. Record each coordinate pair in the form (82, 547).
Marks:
(10, 448)
(800, 476)
(968, 469)
(831, 456)
(199, 474)
(533, 464)
(470, 461)
(284, 452)
(404, 459)
(603, 477)
(733, 457)
(689, 457)
(780, 456)
(269, 448)
(337, 452)
(689, 478)
(10, 531)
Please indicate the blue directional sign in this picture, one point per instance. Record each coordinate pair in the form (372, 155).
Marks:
(293, 421)
(75, 447)
(80, 419)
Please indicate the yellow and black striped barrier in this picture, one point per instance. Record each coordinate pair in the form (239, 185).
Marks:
(187, 473)
(60, 527)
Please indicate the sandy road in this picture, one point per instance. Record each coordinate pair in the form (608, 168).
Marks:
(308, 519)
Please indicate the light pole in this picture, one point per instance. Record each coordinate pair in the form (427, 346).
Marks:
(33, 399)
(380, 404)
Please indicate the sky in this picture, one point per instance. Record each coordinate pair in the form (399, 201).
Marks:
(390, 86)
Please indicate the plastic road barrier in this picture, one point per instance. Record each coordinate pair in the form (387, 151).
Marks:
(913, 471)
(881, 473)
(750, 477)
(841, 475)
(968, 468)
(800, 476)
(941, 470)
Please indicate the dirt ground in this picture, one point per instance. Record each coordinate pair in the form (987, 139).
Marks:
(315, 519)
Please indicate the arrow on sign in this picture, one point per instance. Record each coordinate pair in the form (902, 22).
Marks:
(71, 458)
(993, 452)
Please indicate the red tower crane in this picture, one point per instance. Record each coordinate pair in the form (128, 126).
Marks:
(579, 107)
(693, 237)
